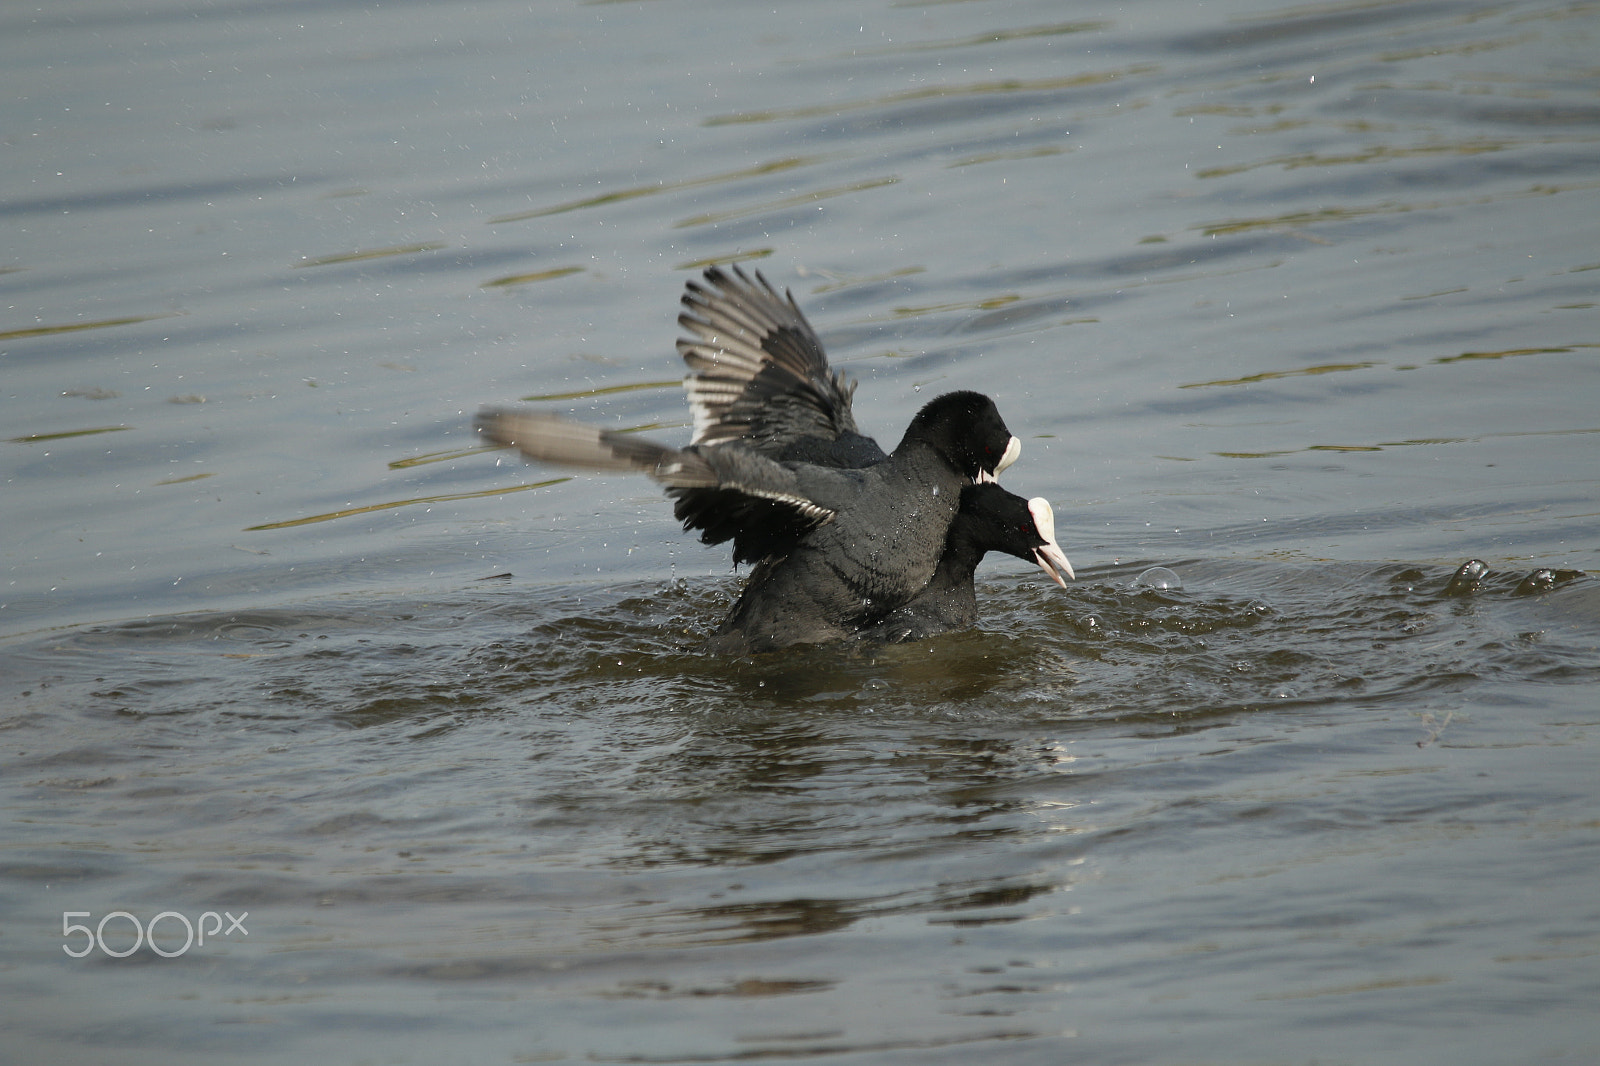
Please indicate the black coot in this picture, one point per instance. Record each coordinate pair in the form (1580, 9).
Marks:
(759, 375)
(990, 520)
(835, 548)
(842, 535)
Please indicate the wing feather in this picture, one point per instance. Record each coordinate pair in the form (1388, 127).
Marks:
(758, 372)
(728, 492)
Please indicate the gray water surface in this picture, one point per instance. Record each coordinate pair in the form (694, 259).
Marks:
(1296, 301)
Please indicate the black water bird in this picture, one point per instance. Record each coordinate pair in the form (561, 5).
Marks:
(990, 519)
(759, 375)
(841, 534)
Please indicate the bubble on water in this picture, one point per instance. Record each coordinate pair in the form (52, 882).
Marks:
(1158, 577)
(1468, 578)
(1537, 581)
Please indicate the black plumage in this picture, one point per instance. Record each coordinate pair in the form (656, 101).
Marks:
(842, 535)
(990, 519)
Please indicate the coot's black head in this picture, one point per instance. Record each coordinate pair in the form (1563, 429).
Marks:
(966, 429)
(992, 519)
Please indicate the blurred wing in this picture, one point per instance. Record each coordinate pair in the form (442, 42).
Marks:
(728, 492)
(549, 439)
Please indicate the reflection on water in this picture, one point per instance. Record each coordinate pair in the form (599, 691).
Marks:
(1293, 305)
(546, 790)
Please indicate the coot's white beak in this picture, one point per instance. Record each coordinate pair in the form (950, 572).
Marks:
(1051, 559)
(1009, 456)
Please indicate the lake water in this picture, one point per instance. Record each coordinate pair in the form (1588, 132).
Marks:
(1296, 301)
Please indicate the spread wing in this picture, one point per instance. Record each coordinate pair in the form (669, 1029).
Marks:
(757, 370)
(728, 492)
(551, 439)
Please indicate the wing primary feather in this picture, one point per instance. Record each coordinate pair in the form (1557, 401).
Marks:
(728, 492)
(551, 439)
